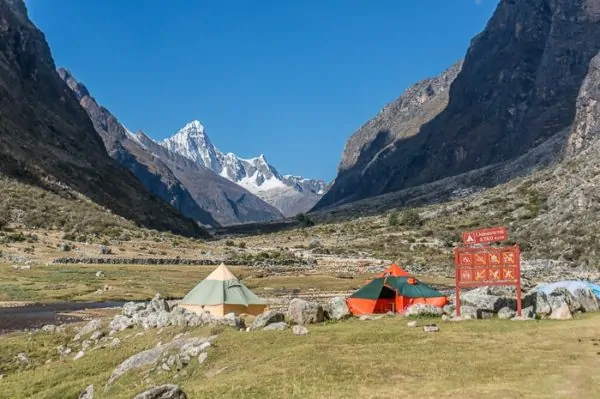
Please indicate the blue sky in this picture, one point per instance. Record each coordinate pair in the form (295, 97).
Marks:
(289, 79)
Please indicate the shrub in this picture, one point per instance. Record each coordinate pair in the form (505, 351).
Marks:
(304, 220)
(411, 218)
(393, 219)
(229, 243)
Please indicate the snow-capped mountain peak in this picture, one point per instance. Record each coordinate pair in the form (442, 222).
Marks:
(254, 174)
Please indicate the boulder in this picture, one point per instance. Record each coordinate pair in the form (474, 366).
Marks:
(120, 323)
(90, 327)
(506, 313)
(104, 250)
(279, 326)
(87, 393)
(79, 355)
(230, 319)
(299, 330)
(421, 309)
(266, 318)
(574, 305)
(202, 357)
(412, 323)
(96, 335)
(131, 308)
(100, 274)
(151, 356)
(22, 359)
(539, 301)
(481, 299)
(167, 391)
(450, 309)
(587, 299)
(560, 308)
(303, 312)
(158, 304)
(467, 313)
(337, 309)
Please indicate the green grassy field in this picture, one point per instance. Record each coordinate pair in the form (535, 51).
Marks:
(139, 282)
(358, 359)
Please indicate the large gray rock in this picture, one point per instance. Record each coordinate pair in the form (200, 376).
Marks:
(304, 312)
(131, 308)
(266, 318)
(587, 299)
(87, 393)
(278, 326)
(539, 301)
(120, 323)
(337, 308)
(483, 300)
(230, 319)
(90, 327)
(506, 313)
(151, 356)
(574, 305)
(299, 330)
(421, 309)
(158, 304)
(167, 391)
(560, 308)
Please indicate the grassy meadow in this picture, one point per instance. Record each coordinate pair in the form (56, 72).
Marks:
(366, 359)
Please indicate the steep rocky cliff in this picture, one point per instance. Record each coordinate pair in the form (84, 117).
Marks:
(151, 171)
(45, 135)
(517, 88)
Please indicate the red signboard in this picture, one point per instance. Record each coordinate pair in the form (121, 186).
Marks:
(484, 236)
(487, 266)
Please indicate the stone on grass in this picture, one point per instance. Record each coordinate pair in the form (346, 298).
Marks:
(506, 313)
(279, 326)
(337, 308)
(87, 393)
(303, 312)
(431, 328)
(412, 323)
(78, 355)
(90, 327)
(574, 305)
(560, 308)
(22, 359)
(539, 301)
(202, 357)
(266, 318)
(131, 308)
(100, 274)
(299, 330)
(120, 323)
(158, 304)
(96, 335)
(421, 309)
(167, 391)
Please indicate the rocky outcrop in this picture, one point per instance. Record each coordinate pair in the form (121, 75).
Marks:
(517, 88)
(267, 318)
(167, 391)
(45, 135)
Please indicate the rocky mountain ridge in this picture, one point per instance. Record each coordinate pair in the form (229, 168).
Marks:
(290, 194)
(46, 137)
(518, 86)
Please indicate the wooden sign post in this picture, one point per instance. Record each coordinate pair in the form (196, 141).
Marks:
(487, 266)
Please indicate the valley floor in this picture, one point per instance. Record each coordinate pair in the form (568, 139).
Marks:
(367, 359)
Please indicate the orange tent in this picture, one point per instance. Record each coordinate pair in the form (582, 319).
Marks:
(393, 290)
(394, 270)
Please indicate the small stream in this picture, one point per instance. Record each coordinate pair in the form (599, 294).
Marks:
(39, 314)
